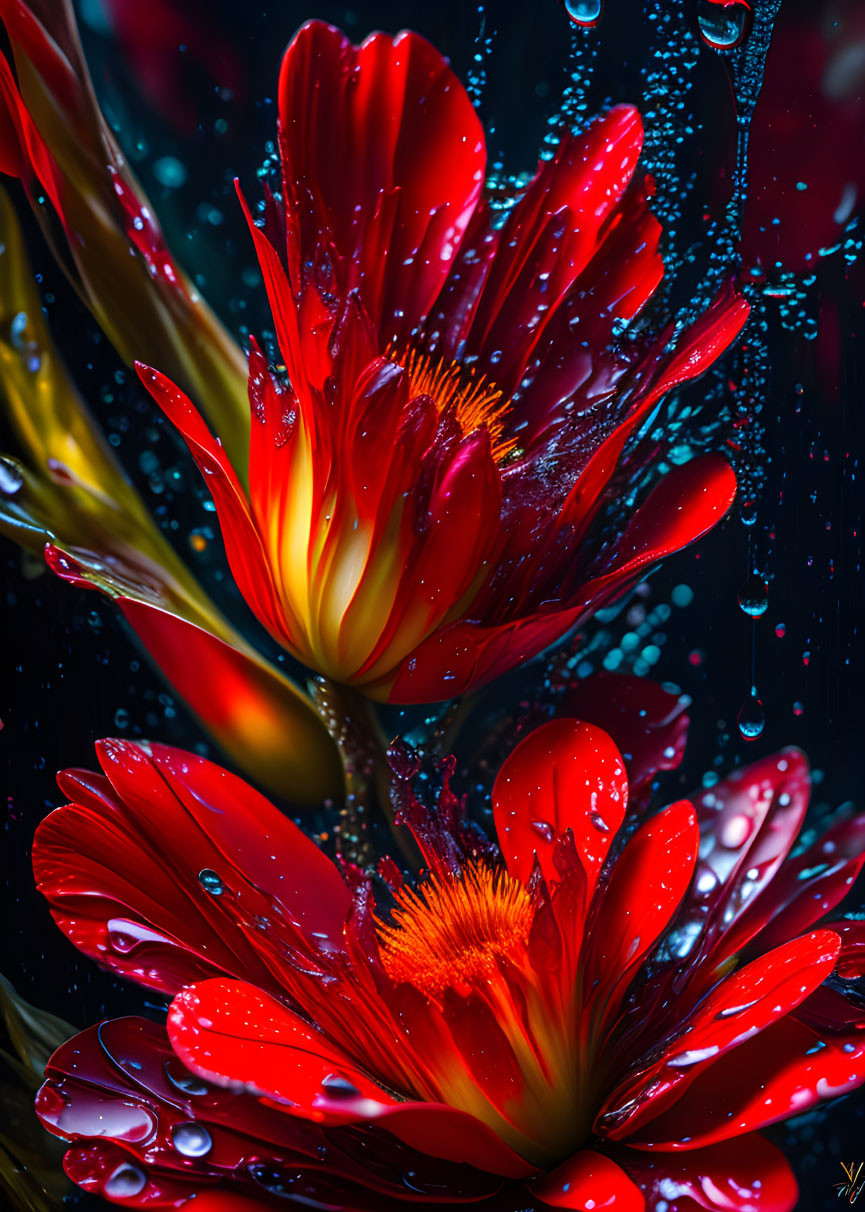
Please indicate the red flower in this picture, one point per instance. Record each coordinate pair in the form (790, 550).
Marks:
(422, 488)
(602, 1016)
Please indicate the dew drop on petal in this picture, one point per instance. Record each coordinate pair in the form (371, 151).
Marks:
(211, 882)
(337, 1086)
(125, 1182)
(183, 1080)
(692, 1057)
(736, 831)
(191, 1139)
(732, 1011)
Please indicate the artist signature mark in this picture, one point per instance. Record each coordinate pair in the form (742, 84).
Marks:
(852, 1188)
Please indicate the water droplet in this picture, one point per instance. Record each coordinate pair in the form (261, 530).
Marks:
(402, 759)
(544, 829)
(11, 477)
(724, 24)
(192, 1140)
(736, 830)
(692, 1057)
(337, 1086)
(754, 596)
(586, 13)
(272, 1180)
(599, 823)
(730, 1011)
(183, 1080)
(125, 1182)
(752, 717)
(211, 882)
(798, 708)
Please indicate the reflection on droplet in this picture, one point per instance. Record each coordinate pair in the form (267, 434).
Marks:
(192, 1140)
(692, 1057)
(124, 1182)
(11, 477)
(586, 13)
(752, 717)
(753, 597)
(731, 1011)
(183, 1080)
(211, 882)
(724, 24)
(337, 1086)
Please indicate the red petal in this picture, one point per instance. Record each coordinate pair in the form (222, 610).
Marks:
(549, 238)
(693, 353)
(121, 868)
(235, 1035)
(243, 543)
(748, 1174)
(740, 1007)
(589, 1182)
(648, 724)
(811, 884)
(576, 381)
(252, 711)
(687, 502)
(851, 960)
(564, 776)
(120, 1086)
(781, 1072)
(748, 823)
(656, 865)
(383, 155)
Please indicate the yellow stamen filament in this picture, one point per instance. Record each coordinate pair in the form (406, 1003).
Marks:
(453, 933)
(474, 399)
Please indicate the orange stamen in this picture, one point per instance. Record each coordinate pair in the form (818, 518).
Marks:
(475, 401)
(453, 933)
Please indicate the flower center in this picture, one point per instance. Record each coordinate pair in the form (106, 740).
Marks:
(453, 933)
(475, 401)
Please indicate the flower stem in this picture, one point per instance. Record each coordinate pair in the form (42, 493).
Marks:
(351, 720)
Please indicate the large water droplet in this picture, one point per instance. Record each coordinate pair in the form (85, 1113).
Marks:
(337, 1086)
(586, 13)
(211, 882)
(11, 477)
(192, 1140)
(753, 597)
(731, 1011)
(723, 24)
(692, 1057)
(183, 1080)
(125, 1182)
(752, 717)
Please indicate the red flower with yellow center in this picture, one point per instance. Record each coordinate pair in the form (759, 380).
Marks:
(424, 478)
(599, 1015)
